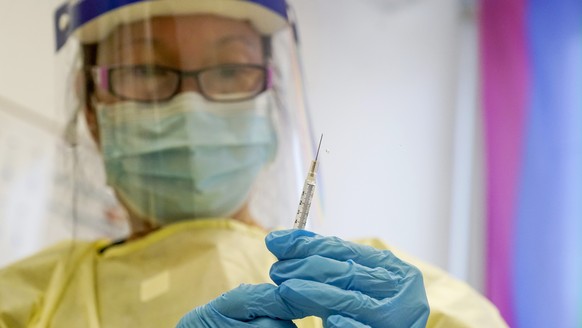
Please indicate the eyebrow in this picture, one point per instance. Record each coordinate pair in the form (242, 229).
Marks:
(233, 38)
(155, 45)
(144, 40)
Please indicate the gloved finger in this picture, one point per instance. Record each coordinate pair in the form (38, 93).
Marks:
(270, 323)
(324, 300)
(406, 309)
(296, 244)
(378, 283)
(338, 321)
(207, 316)
(248, 302)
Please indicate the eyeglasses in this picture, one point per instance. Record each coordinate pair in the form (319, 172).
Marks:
(153, 83)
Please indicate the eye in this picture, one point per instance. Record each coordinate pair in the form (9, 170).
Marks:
(147, 71)
(228, 72)
(143, 82)
(232, 82)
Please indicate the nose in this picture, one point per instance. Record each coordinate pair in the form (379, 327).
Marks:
(189, 84)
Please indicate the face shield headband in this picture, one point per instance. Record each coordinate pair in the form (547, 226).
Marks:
(82, 17)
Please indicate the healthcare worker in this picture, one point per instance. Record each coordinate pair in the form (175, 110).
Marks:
(195, 107)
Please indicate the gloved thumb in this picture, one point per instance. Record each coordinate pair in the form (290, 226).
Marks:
(338, 321)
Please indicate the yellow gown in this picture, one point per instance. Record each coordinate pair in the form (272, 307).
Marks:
(154, 281)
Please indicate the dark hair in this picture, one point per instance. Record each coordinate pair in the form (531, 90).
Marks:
(89, 54)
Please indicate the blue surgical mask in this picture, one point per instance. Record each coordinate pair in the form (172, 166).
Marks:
(187, 158)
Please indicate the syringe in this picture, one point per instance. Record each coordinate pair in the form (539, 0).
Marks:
(307, 194)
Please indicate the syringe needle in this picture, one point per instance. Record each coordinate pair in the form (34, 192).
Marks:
(318, 147)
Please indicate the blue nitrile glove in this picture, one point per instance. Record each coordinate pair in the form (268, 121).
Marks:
(346, 284)
(245, 306)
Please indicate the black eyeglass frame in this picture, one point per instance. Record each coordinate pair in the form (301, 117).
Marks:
(101, 77)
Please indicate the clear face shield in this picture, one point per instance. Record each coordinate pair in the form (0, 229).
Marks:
(190, 109)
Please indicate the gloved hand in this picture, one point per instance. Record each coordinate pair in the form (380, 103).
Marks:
(245, 306)
(346, 284)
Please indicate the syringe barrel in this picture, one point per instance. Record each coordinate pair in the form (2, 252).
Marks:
(304, 203)
(306, 197)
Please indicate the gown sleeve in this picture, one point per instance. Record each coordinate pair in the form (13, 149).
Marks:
(453, 303)
(23, 285)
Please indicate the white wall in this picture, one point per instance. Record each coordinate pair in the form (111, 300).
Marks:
(26, 55)
(382, 82)
(382, 79)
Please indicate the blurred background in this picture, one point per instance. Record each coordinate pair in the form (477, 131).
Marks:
(431, 111)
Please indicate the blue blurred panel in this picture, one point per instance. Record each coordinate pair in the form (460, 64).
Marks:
(548, 275)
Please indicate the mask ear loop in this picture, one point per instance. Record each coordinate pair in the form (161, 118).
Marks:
(70, 135)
